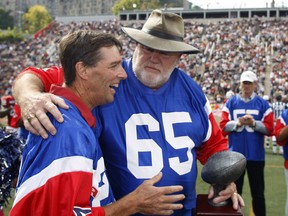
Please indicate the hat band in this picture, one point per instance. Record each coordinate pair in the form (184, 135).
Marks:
(162, 35)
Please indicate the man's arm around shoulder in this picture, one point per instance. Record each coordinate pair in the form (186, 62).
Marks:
(28, 92)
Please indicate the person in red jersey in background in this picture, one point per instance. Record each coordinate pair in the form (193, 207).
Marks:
(281, 134)
(14, 119)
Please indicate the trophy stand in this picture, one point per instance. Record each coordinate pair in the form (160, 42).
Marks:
(221, 169)
(203, 208)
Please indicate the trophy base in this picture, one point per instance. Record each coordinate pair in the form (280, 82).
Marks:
(224, 203)
(203, 208)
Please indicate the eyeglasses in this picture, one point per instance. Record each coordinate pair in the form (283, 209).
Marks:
(148, 50)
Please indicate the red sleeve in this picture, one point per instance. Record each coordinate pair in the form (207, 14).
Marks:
(278, 127)
(215, 143)
(66, 194)
(49, 76)
(16, 117)
(7, 101)
(223, 121)
(269, 123)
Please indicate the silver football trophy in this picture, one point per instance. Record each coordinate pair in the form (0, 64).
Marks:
(221, 169)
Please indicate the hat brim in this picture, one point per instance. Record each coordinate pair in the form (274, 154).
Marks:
(247, 80)
(160, 44)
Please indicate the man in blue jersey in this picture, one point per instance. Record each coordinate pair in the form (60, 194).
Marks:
(160, 119)
(246, 119)
(281, 134)
(65, 174)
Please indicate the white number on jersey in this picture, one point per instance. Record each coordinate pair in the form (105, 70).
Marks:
(100, 182)
(134, 145)
(242, 112)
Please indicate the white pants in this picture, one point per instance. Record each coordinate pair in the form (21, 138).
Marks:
(275, 146)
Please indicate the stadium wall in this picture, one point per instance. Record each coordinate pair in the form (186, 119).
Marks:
(197, 15)
(68, 19)
(212, 14)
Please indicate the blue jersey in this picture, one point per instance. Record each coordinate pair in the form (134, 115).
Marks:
(145, 132)
(282, 122)
(248, 142)
(64, 173)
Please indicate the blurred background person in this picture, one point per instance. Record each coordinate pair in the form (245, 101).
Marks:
(281, 134)
(268, 139)
(14, 120)
(277, 106)
(246, 119)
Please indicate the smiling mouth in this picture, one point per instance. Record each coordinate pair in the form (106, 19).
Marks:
(113, 86)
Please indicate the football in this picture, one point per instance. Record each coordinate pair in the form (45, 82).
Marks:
(223, 167)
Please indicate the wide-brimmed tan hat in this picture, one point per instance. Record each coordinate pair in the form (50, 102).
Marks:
(163, 31)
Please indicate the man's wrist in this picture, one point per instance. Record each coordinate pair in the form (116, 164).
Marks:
(253, 124)
(237, 125)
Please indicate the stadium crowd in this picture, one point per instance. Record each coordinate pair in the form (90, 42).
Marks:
(227, 49)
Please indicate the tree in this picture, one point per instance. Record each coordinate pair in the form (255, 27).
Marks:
(196, 7)
(36, 18)
(6, 20)
(126, 5)
(169, 3)
(135, 5)
(149, 4)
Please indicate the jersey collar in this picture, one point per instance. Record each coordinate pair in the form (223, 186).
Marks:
(69, 95)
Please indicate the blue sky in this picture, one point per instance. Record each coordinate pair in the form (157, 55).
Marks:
(210, 4)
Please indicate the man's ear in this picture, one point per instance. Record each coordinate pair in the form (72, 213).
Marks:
(81, 70)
